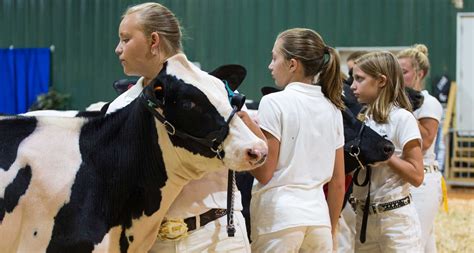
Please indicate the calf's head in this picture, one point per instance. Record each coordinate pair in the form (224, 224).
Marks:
(201, 123)
(363, 144)
(416, 98)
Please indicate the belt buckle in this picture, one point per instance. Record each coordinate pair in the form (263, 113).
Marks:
(173, 230)
(377, 208)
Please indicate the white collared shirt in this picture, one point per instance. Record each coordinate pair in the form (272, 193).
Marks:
(386, 185)
(431, 108)
(310, 130)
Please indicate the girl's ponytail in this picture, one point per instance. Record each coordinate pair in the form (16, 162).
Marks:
(330, 77)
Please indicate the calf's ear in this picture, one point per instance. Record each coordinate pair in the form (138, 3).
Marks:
(234, 74)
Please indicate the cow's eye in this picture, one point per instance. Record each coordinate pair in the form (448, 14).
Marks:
(188, 105)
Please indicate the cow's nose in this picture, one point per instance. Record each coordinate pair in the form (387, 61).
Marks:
(388, 149)
(256, 156)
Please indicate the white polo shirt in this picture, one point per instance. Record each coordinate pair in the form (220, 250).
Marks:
(386, 185)
(310, 129)
(198, 196)
(431, 108)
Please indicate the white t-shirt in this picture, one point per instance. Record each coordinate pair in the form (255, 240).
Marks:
(310, 129)
(431, 108)
(386, 185)
(198, 196)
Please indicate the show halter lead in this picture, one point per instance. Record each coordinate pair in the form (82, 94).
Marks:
(236, 100)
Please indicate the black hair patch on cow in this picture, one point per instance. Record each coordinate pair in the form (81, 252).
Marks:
(14, 191)
(12, 132)
(123, 241)
(119, 179)
(190, 111)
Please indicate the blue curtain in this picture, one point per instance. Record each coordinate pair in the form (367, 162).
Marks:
(24, 74)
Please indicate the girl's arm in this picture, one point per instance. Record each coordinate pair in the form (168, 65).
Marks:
(410, 165)
(265, 172)
(336, 190)
(428, 129)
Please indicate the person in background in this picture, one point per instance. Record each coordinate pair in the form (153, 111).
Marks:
(391, 221)
(351, 58)
(347, 222)
(304, 129)
(427, 198)
(149, 35)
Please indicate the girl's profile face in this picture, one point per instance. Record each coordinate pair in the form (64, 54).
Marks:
(409, 72)
(366, 88)
(133, 48)
(279, 66)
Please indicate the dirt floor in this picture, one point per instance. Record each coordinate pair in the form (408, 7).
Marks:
(455, 229)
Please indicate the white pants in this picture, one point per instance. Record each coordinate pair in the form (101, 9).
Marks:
(346, 230)
(397, 230)
(427, 199)
(292, 240)
(210, 238)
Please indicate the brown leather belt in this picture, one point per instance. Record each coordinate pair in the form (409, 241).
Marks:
(204, 218)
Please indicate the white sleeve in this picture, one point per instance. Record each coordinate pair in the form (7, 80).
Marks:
(407, 129)
(269, 116)
(339, 130)
(431, 108)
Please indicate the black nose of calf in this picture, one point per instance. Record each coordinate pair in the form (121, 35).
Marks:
(388, 149)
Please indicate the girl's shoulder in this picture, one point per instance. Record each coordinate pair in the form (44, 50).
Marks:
(398, 114)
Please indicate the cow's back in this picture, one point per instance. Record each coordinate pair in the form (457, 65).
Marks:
(39, 160)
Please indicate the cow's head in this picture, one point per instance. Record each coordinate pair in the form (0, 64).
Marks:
(416, 98)
(362, 144)
(200, 121)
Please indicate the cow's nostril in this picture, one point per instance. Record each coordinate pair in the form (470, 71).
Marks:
(253, 154)
(388, 149)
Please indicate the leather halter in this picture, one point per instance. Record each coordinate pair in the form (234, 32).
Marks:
(213, 140)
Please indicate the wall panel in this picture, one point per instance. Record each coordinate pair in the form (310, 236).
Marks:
(84, 34)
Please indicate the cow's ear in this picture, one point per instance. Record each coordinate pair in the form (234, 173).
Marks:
(234, 74)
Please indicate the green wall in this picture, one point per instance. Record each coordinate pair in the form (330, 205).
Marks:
(84, 34)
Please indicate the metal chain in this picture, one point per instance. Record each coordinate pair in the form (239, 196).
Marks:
(230, 219)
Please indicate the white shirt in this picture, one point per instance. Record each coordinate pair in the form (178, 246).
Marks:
(386, 185)
(431, 108)
(199, 195)
(310, 129)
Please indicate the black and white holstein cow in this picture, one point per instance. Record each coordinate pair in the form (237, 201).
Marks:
(104, 184)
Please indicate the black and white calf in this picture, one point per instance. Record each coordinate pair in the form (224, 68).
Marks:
(103, 184)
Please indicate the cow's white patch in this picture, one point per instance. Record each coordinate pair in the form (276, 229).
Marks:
(52, 152)
(51, 113)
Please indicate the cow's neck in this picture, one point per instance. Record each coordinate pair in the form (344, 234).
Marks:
(123, 150)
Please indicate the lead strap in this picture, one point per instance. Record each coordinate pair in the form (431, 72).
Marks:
(230, 203)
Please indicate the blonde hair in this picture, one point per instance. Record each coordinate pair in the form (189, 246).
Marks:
(154, 17)
(392, 93)
(418, 55)
(308, 47)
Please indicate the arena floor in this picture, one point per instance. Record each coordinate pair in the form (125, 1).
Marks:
(455, 229)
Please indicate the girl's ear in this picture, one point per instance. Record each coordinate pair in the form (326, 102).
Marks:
(155, 43)
(382, 81)
(420, 74)
(292, 64)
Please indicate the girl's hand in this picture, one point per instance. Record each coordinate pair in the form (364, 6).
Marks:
(251, 124)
